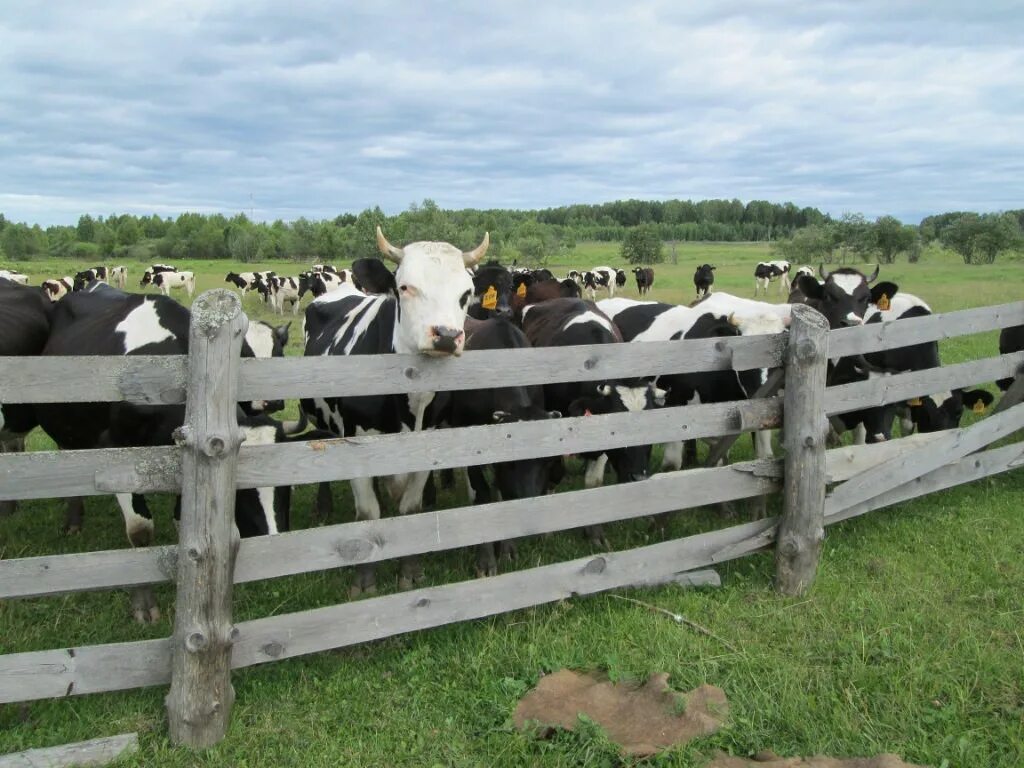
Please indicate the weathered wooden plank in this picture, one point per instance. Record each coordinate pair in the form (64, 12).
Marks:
(108, 569)
(801, 526)
(968, 469)
(953, 445)
(901, 333)
(95, 752)
(280, 637)
(1014, 395)
(150, 379)
(904, 386)
(200, 701)
(363, 456)
(64, 672)
(383, 374)
(843, 463)
(54, 474)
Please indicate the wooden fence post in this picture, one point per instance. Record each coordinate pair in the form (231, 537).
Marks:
(802, 527)
(201, 696)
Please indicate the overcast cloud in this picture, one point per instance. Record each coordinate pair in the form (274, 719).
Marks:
(314, 109)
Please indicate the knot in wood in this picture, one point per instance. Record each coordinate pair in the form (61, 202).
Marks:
(809, 441)
(273, 649)
(354, 550)
(806, 350)
(423, 602)
(234, 634)
(590, 363)
(194, 554)
(411, 373)
(595, 566)
(215, 446)
(789, 547)
(195, 642)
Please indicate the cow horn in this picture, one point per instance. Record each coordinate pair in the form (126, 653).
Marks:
(733, 320)
(874, 275)
(471, 258)
(822, 272)
(386, 248)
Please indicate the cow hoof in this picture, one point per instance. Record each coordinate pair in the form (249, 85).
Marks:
(154, 614)
(140, 616)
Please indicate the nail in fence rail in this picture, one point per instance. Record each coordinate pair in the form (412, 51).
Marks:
(201, 696)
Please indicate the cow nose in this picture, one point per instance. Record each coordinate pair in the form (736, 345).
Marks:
(503, 310)
(447, 339)
(635, 476)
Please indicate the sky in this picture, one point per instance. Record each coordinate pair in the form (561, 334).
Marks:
(316, 109)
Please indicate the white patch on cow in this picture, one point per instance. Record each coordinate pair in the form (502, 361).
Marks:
(264, 436)
(612, 307)
(634, 398)
(848, 283)
(726, 304)
(860, 434)
(898, 304)
(1, 421)
(939, 398)
(364, 322)
(418, 402)
(260, 338)
(672, 459)
(767, 324)
(591, 317)
(142, 327)
(854, 319)
(594, 474)
(763, 444)
(135, 525)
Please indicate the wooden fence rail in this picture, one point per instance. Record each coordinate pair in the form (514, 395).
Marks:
(208, 466)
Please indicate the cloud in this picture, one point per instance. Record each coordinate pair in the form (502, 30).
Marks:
(314, 109)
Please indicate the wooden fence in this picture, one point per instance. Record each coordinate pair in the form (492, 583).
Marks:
(819, 487)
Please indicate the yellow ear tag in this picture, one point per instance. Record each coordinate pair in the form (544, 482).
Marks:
(915, 401)
(979, 407)
(490, 298)
(883, 303)
(521, 290)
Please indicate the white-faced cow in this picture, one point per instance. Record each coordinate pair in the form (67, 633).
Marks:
(178, 281)
(769, 272)
(110, 322)
(426, 318)
(57, 288)
(644, 279)
(703, 279)
(571, 322)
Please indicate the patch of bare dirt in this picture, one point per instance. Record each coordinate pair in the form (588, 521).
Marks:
(769, 760)
(641, 719)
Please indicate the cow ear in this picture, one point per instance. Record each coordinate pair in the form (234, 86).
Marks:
(659, 396)
(281, 332)
(604, 390)
(886, 289)
(810, 287)
(978, 400)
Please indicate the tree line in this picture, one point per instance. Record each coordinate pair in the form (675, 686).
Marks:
(529, 237)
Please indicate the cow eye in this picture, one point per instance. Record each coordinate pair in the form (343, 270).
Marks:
(464, 300)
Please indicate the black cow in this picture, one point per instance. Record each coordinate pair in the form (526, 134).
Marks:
(644, 279)
(1010, 340)
(111, 322)
(427, 317)
(571, 322)
(493, 287)
(569, 289)
(513, 479)
(703, 279)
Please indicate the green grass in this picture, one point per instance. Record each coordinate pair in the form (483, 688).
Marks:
(910, 640)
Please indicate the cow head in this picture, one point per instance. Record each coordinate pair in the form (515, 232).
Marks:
(842, 297)
(492, 292)
(526, 478)
(944, 410)
(433, 294)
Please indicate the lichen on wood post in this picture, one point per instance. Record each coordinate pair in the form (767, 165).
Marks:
(201, 696)
(801, 527)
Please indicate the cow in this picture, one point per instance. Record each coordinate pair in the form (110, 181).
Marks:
(570, 322)
(25, 316)
(110, 322)
(644, 279)
(593, 280)
(167, 281)
(1010, 340)
(155, 269)
(14, 277)
(805, 270)
(576, 276)
(607, 278)
(324, 268)
(493, 289)
(843, 296)
(769, 271)
(119, 276)
(58, 288)
(317, 283)
(284, 290)
(243, 281)
(425, 318)
(642, 321)
(87, 276)
(703, 279)
(521, 479)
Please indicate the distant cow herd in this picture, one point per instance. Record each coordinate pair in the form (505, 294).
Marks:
(440, 301)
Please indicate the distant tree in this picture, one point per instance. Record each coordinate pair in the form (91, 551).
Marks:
(87, 229)
(979, 239)
(21, 242)
(642, 245)
(810, 245)
(889, 237)
(128, 231)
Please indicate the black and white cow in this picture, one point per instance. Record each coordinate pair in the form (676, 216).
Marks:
(284, 290)
(243, 281)
(1010, 340)
(324, 268)
(119, 276)
(493, 288)
(317, 283)
(110, 322)
(606, 278)
(843, 296)
(576, 276)
(703, 279)
(14, 277)
(512, 479)
(592, 281)
(644, 279)
(427, 317)
(571, 322)
(87, 276)
(155, 269)
(57, 288)
(770, 271)
(178, 281)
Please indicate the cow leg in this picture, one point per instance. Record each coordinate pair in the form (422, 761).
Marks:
(486, 562)
(323, 507)
(762, 450)
(367, 508)
(74, 514)
(594, 478)
(411, 503)
(672, 459)
(860, 434)
(138, 522)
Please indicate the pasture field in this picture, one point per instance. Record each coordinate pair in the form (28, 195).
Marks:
(910, 641)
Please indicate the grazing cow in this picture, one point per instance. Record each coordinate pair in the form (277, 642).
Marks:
(167, 281)
(571, 322)
(1010, 340)
(576, 276)
(768, 272)
(56, 289)
(155, 269)
(512, 479)
(243, 281)
(644, 279)
(87, 276)
(642, 321)
(119, 276)
(493, 288)
(14, 277)
(607, 278)
(703, 279)
(324, 268)
(284, 290)
(426, 318)
(110, 322)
